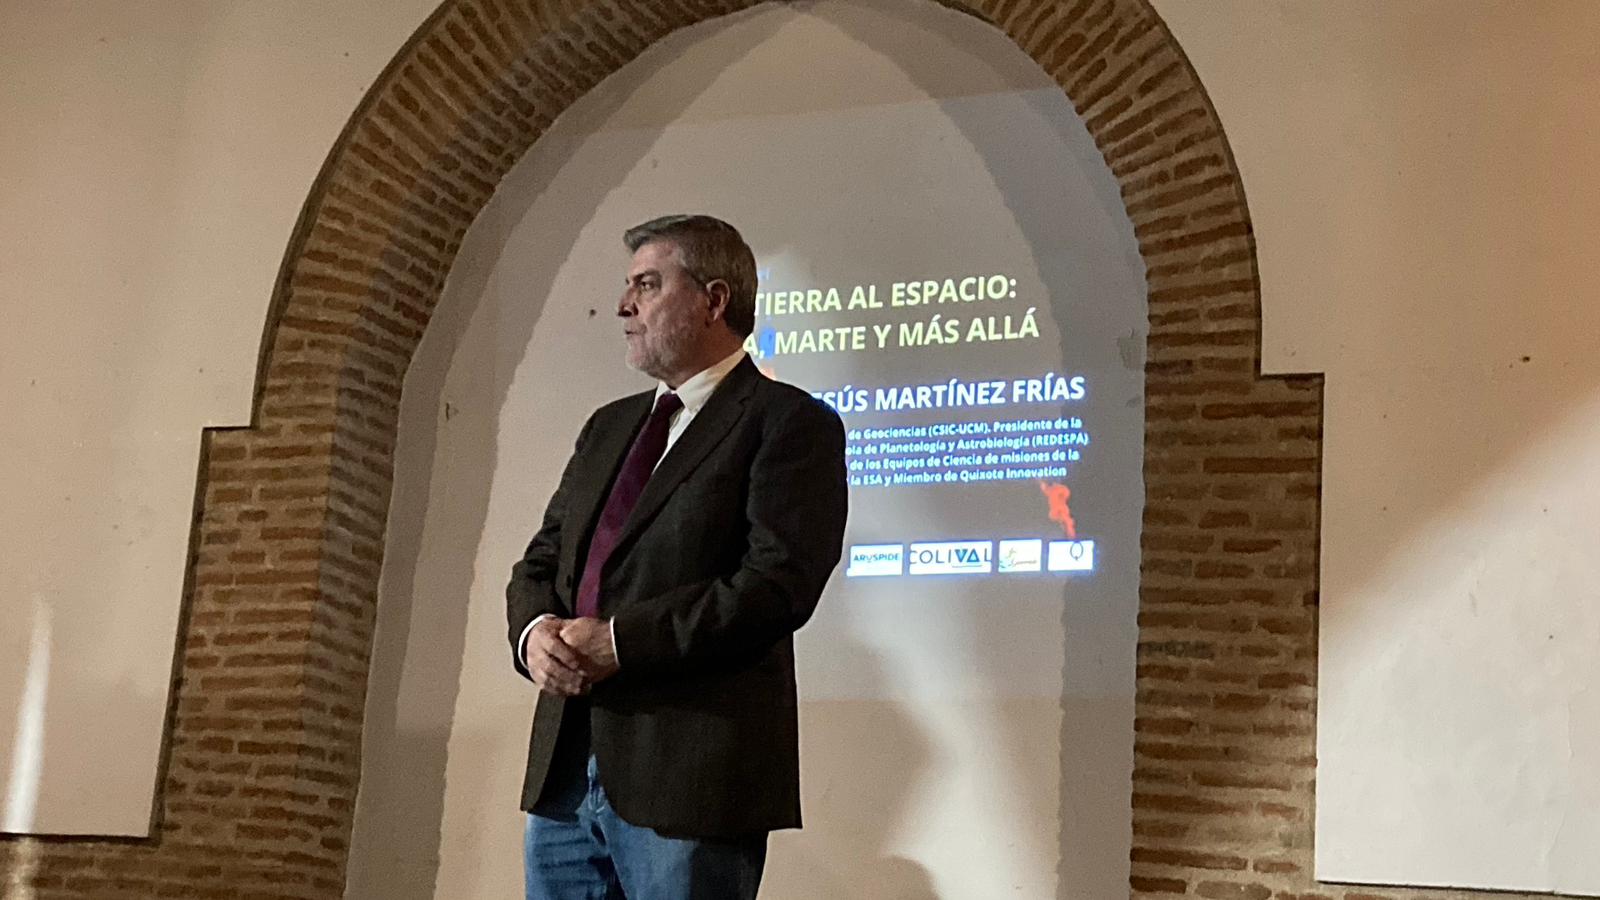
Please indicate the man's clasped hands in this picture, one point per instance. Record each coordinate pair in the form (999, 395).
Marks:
(568, 656)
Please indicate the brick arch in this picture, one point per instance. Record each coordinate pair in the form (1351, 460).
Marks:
(258, 786)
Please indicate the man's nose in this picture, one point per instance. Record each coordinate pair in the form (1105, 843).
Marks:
(625, 307)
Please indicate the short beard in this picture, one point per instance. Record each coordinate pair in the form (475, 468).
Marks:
(666, 351)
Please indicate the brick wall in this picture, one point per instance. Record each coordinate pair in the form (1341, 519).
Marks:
(257, 790)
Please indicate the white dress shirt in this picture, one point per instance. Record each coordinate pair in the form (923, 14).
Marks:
(694, 393)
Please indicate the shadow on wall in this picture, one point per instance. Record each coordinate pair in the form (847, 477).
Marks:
(873, 753)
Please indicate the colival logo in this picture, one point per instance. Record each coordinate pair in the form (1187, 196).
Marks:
(952, 558)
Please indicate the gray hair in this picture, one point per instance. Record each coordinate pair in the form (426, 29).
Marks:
(710, 250)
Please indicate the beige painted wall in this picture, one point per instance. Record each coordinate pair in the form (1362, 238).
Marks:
(1424, 179)
(155, 155)
(1420, 177)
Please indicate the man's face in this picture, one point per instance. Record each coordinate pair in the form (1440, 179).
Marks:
(665, 312)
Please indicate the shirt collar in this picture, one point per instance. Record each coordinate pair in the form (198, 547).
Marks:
(695, 391)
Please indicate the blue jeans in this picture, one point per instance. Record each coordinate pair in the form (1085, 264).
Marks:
(578, 848)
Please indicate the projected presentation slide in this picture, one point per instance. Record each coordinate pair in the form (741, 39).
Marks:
(970, 424)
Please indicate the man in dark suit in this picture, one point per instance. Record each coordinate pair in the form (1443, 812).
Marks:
(690, 536)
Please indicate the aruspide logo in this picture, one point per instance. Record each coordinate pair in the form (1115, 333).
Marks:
(952, 558)
(870, 560)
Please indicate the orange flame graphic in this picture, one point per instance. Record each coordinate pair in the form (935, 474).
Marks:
(1057, 496)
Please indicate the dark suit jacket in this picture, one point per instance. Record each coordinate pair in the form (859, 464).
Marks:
(722, 559)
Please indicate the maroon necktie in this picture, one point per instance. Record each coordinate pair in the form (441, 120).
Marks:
(642, 458)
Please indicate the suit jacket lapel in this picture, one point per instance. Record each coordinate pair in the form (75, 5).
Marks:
(704, 432)
(602, 459)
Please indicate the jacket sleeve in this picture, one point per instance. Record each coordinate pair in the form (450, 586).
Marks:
(531, 592)
(796, 507)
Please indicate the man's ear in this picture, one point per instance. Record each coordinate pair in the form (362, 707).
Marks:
(718, 294)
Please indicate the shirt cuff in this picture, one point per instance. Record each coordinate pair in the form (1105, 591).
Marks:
(522, 642)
